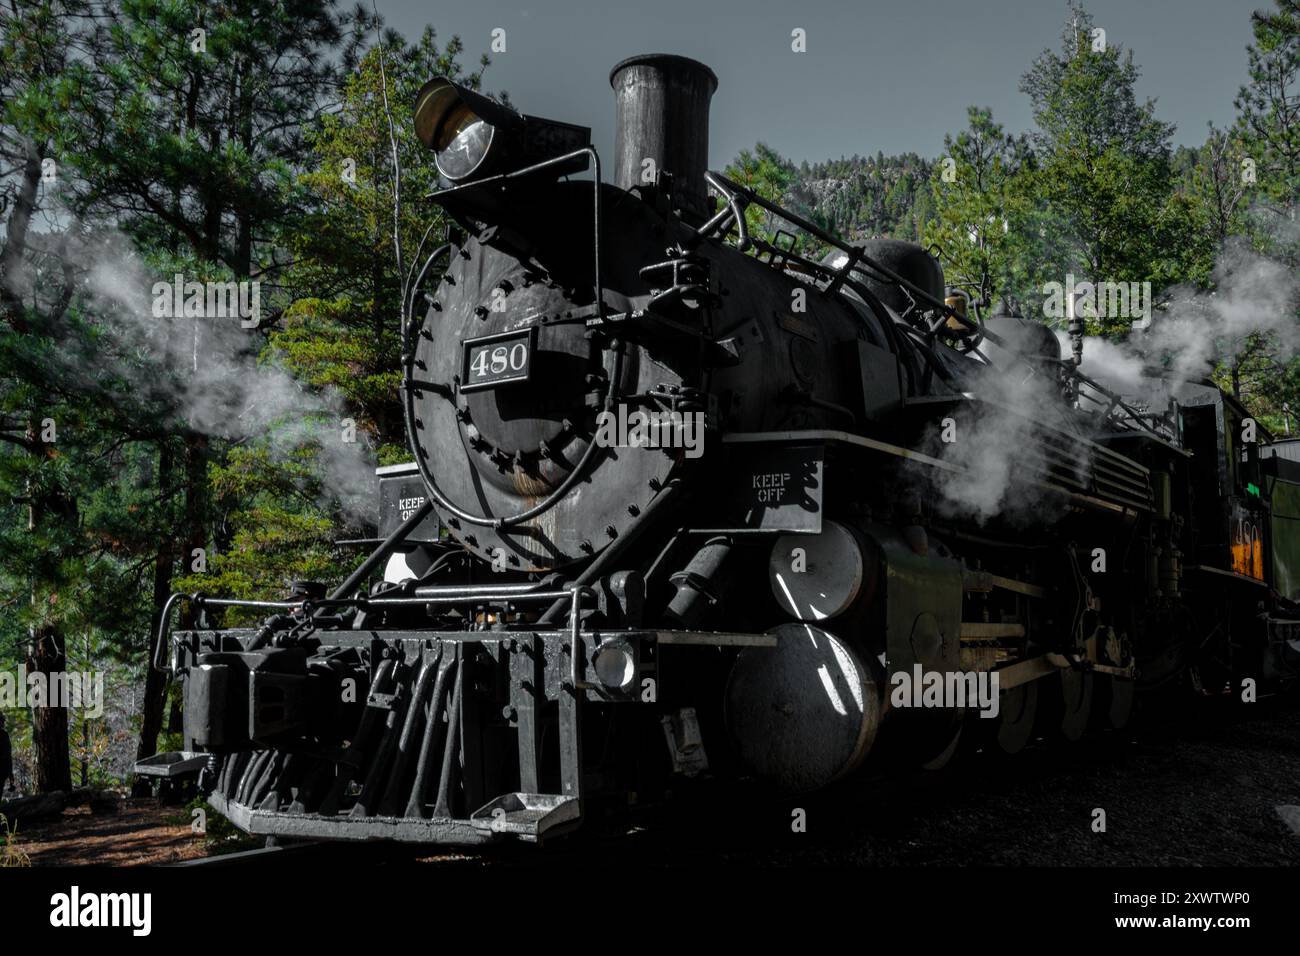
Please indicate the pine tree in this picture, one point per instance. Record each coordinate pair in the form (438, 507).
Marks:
(1268, 124)
(985, 222)
(1261, 160)
(1103, 165)
(41, 558)
(186, 142)
(340, 333)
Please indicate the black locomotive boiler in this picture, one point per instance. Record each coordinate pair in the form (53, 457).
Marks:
(685, 500)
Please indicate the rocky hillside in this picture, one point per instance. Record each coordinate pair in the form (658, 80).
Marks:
(864, 197)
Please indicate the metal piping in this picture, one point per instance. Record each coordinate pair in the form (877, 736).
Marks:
(397, 537)
(614, 551)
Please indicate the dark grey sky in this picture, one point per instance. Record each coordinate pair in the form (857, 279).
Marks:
(891, 76)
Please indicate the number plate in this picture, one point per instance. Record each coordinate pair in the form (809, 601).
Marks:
(497, 359)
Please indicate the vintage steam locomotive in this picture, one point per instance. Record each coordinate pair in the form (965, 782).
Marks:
(685, 500)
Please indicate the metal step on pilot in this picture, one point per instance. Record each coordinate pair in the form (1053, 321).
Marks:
(172, 764)
(528, 816)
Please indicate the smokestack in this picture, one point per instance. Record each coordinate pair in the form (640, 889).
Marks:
(662, 104)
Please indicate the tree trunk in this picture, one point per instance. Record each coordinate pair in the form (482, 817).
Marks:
(46, 653)
(15, 245)
(46, 806)
(155, 682)
(53, 766)
(47, 506)
(35, 809)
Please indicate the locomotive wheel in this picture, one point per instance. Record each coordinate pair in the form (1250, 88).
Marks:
(804, 713)
(928, 738)
(1015, 721)
(1067, 704)
(1113, 706)
(949, 751)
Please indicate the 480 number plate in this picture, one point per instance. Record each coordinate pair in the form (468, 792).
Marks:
(494, 360)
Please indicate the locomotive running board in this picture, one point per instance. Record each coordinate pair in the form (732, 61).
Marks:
(528, 816)
(1127, 509)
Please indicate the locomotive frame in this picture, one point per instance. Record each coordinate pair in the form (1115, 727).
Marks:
(619, 638)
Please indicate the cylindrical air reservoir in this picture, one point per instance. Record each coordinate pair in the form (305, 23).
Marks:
(819, 576)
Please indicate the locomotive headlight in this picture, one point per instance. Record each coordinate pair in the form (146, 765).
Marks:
(473, 137)
(462, 143)
(462, 128)
(615, 663)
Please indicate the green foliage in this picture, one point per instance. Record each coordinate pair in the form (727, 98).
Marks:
(11, 854)
(1265, 142)
(770, 175)
(853, 199)
(1210, 185)
(169, 156)
(272, 545)
(862, 197)
(986, 222)
(1103, 171)
(1094, 190)
(341, 329)
(1268, 119)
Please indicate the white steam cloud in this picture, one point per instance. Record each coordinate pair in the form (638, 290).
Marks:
(994, 446)
(207, 370)
(1254, 295)
(989, 446)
